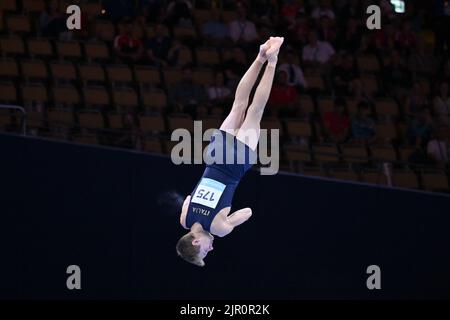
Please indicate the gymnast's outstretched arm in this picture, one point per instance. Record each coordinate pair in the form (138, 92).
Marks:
(240, 216)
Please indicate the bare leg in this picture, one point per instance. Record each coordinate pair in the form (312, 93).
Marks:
(250, 128)
(236, 116)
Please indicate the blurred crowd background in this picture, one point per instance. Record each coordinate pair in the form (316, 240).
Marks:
(351, 103)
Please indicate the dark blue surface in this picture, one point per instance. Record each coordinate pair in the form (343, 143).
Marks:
(64, 204)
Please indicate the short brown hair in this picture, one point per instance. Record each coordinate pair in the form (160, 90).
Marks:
(188, 251)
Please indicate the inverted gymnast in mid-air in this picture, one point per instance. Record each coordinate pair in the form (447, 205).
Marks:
(206, 211)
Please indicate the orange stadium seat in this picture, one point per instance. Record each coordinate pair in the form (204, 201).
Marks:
(34, 70)
(180, 120)
(172, 76)
(119, 74)
(115, 120)
(295, 153)
(152, 123)
(91, 120)
(348, 175)
(315, 82)
(298, 128)
(34, 93)
(325, 104)
(384, 153)
(368, 63)
(153, 145)
(184, 33)
(8, 68)
(95, 96)
(65, 96)
(326, 153)
(60, 118)
(69, 50)
(33, 6)
(147, 76)
(96, 51)
(12, 46)
(92, 73)
(354, 153)
(126, 98)
(64, 71)
(207, 56)
(154, 99)
(40, 48)
(386, 108)
(374, 177)
(435, 181)
(8, 5)
(89, 139)
(105, 30)
(211, 122)
(203, 76)
(405, 179)
(18, 24)
(385, 132)
(8, 92)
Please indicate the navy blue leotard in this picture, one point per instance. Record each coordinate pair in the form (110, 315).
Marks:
(229, 159)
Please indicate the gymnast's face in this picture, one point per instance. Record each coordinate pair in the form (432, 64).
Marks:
(205, 241)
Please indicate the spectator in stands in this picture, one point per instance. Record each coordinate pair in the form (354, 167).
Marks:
(186, 96)
(442, 27)
(215, 31)
(176, 57)
(441, 104)
(234, 68)
(396, 76)
(343, 73)
(420, 128)
(157, 47)
(151, 10)
(383, 41)
(242, 31)
(349, 39)
(284, 99)
(179, 12)
(119, 9)
(324, 9)
(52, 21)
(316, 53)
(290, 10)
(416, 101)
(337, 123)
(218, 92)
(421, 63)
(326, 29)
(297, 32)
(438, 149)
(129, 49)
(362, 125)
(294, 72)
(405, 39)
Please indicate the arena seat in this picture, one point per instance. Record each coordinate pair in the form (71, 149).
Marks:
(8, 92)
(70, 50)
(119, 74)
(180, 120)
(354, 153)
(91, 120)
(154, 99)
(60, 118)
(325, 153)
(95, 96)
(152, 123)
(8, 68)
(66, 95)
(63, 71)
(147, 76)
(153, 145)
(435, 181)
(207, 56)
(34, 70)
(34, 93)
(96, 51)
(39, 47)
(12, 46)
(18, 24)
(405, 179)
(383, 153)
(33, 6)
(92, 73)
(298, 128)
(126, 98)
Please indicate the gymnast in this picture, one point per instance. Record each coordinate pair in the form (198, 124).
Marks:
(206, 211)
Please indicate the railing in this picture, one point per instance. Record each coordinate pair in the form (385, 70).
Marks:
(22, 111)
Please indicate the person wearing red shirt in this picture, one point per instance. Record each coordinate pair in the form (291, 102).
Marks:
(283, 97)
(336, 123)
(129, 49)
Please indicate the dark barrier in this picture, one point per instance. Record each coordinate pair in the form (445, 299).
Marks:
(65, 204)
